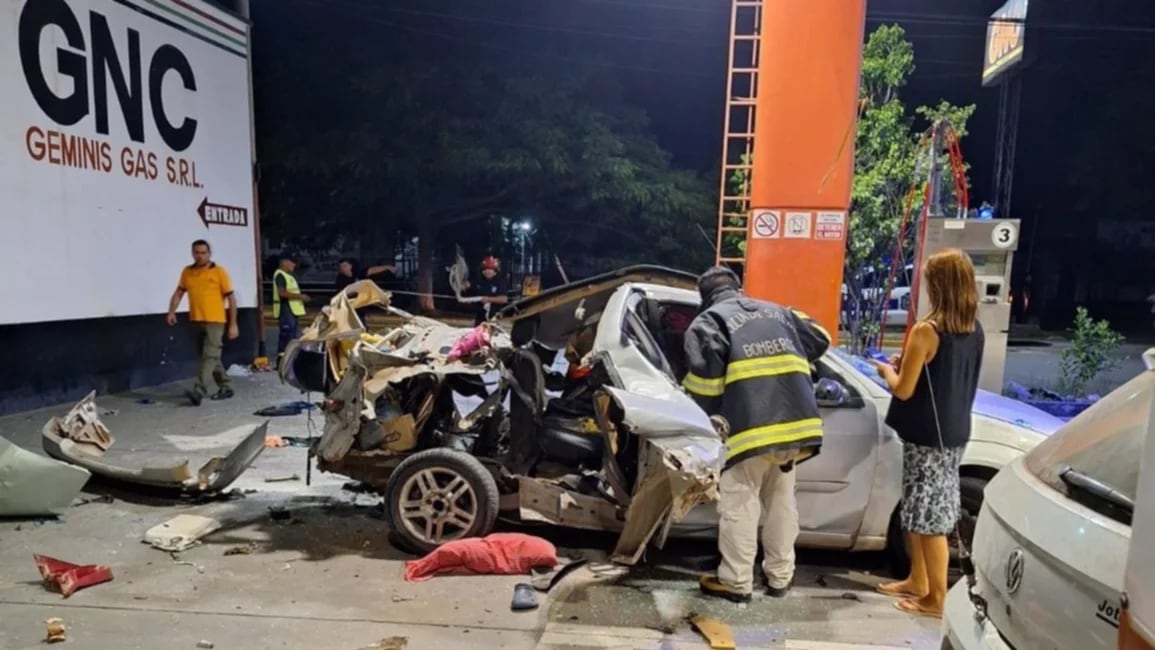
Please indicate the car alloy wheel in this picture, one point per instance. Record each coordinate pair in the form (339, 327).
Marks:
(437, 505)
(438, 496)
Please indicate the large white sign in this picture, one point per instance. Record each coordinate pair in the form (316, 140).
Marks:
(124, 136)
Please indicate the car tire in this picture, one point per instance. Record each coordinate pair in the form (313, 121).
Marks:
(438, 496)
(971, 492)
(897, 554)
(971, 488)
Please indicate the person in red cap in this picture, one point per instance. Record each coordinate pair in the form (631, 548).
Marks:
(491, 289)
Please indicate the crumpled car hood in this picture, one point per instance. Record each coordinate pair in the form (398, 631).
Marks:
(80, 438)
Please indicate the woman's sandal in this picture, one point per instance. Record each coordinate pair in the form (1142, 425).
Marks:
(911, 606)
(893, 593)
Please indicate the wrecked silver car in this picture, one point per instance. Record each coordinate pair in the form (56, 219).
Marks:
(456, 426)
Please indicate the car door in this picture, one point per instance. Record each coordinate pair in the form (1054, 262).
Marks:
(834, 487)
(678, 450)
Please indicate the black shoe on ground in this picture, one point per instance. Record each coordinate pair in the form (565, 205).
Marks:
(224, 393)
(711, 586)
(777, 592)
(195, 397)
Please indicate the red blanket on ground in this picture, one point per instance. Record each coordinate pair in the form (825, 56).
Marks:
(497, 554)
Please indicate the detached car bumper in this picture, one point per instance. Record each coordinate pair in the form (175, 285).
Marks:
(961, 630)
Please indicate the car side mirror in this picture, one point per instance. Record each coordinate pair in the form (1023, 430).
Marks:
(829, 393)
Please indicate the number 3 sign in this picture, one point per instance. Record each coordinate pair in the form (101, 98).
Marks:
(1005, 234)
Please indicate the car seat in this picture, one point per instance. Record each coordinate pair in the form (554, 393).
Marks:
(571, 440)
(537, 435)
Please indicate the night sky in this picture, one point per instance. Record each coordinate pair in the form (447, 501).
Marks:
(669, 57)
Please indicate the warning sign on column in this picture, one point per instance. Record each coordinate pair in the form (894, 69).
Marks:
(830, 226)
(767, 224)
(798, 225)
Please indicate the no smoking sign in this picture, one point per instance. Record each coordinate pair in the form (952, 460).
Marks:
(767, 224)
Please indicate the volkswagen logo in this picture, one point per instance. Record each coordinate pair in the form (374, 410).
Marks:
(1014, 571)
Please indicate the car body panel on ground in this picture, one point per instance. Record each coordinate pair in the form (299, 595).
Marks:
(32, 485)
(80, 438)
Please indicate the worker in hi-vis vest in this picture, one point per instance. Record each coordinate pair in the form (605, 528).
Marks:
(286, 289)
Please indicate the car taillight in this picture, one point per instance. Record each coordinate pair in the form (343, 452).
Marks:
(332, 405)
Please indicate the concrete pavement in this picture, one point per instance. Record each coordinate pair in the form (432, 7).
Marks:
(327, 579)
(330, 579)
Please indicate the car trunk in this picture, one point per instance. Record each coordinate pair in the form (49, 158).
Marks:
(1047, 590)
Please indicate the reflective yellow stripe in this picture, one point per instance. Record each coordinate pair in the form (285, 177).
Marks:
(780, 364)
(704, 387)
(801, 314)
(773, 434)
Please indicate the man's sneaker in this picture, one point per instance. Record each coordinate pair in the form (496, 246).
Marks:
(224, 393)
(777, 592)
(711, 586)
(195, 397)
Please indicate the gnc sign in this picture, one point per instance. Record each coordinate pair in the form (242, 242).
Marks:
(125, 135)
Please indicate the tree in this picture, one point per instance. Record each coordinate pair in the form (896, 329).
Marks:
(886, 170)
(433, 148)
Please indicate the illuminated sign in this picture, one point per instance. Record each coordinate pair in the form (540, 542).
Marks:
(1006, 32)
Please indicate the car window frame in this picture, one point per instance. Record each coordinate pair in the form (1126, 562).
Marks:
(632, 320)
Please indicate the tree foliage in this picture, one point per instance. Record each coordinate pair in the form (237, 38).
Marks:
(890, 161)
(1094, 350)
(384, 145)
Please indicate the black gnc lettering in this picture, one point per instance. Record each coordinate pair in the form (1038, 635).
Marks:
(165, 59)
(124, 69)
(105, 64)
(36, 16)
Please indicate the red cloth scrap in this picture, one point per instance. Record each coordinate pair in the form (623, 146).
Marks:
(496, 554)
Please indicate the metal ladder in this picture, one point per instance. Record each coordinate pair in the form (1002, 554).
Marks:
(738, 133)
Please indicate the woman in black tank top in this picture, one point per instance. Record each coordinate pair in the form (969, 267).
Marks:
(933, 383)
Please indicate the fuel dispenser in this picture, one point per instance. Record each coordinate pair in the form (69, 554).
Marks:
(991, 244)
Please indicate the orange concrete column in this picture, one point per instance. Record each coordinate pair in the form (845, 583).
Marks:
(807, 109)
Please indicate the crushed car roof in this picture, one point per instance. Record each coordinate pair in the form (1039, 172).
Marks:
(640, 273)
(555, 314)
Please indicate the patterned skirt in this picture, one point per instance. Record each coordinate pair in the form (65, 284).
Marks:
(931, 503)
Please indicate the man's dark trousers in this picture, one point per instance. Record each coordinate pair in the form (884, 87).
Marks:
(287, 329)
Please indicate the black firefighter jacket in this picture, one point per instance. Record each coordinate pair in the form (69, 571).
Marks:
(749, 361)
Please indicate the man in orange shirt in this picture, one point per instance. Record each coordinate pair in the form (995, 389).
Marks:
(209, 289)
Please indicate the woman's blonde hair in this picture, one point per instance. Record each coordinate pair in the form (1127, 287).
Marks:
(950, 285)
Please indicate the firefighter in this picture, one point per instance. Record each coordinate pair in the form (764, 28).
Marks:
(491, 289)
(749, 367)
